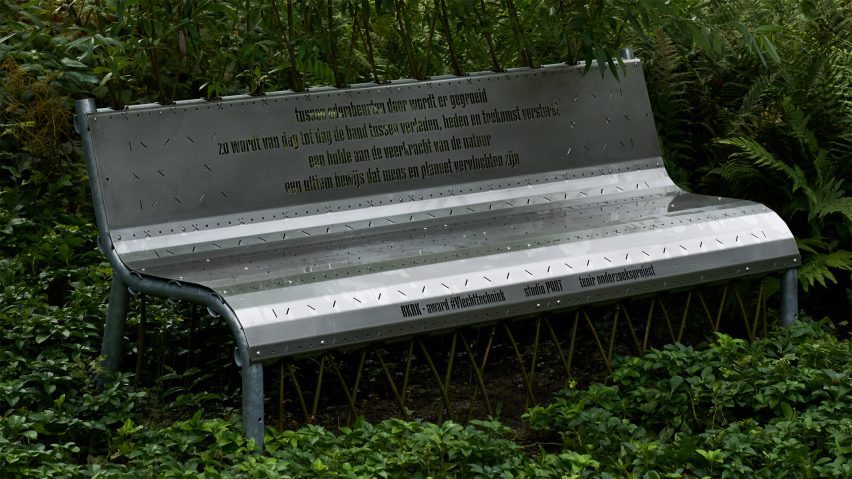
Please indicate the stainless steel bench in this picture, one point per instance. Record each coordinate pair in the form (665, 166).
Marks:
(338, 217)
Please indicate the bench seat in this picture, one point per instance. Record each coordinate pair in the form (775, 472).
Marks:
(395, 272)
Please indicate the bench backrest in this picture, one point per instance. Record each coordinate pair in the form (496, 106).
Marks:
(208, 169)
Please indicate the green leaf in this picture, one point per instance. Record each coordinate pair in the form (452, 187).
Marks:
(600, 56)
(675, 382)
(82, 77)
(318, 465)
(68, 62)
(770, 49)
(787, 410)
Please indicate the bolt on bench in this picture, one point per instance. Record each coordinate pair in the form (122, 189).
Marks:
(338, 217)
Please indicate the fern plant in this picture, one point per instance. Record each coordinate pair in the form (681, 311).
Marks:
(754, 100)
(818, 197)
(791, 137)
(670, 82)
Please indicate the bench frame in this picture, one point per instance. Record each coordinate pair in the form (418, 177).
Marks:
(127, 282)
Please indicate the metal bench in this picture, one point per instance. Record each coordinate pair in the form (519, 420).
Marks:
(338, 217)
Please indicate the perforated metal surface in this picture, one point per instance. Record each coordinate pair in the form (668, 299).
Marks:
(580, 211)
(169, 167)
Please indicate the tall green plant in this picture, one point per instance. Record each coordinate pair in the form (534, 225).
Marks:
(791, 138)
(754, 100)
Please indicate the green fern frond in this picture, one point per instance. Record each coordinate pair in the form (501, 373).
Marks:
(666, 56)
(811, 245)
(736, 171)
(670, 82)
(808, 77)
(838, 87)
(762, 87)
(838, 78)
(828, 205)
(817, 268)
(755, 152)
(797, 120)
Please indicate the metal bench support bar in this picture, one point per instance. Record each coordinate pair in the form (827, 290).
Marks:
(789, 297)
(119, 299)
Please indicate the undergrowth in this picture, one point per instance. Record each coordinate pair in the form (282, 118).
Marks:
(780, 407)
(759, 107)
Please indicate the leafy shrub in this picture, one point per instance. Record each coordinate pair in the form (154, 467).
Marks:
(53, 412)
(774, 408)
(780, 406)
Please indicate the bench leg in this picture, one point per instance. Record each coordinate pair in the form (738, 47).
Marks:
(789, 297)
(253, 423)
(119, 299)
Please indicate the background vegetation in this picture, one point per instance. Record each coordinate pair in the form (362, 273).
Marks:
(751, 99)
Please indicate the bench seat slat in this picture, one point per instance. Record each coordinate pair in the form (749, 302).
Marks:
(134, 244)
(557, 212)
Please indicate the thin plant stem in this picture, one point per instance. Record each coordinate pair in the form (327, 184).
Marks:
(518, 31)
(333, 46)
(489, 40)
(441, 6)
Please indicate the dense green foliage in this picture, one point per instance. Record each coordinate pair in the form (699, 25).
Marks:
(765, 113)
(751, 98)
(779, 407)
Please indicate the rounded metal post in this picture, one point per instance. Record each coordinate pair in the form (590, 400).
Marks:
(627, 54)
(81, 123)
(119, 299)
(253, 420)
(789, 297)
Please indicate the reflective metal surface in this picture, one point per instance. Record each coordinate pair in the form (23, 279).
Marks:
(346, 216)
(205, 165)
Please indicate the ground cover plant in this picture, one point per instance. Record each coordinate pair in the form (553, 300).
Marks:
(751, 99)
(776, 408)
(779, 407)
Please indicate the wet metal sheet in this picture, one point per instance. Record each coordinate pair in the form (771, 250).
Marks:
(346, 149)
